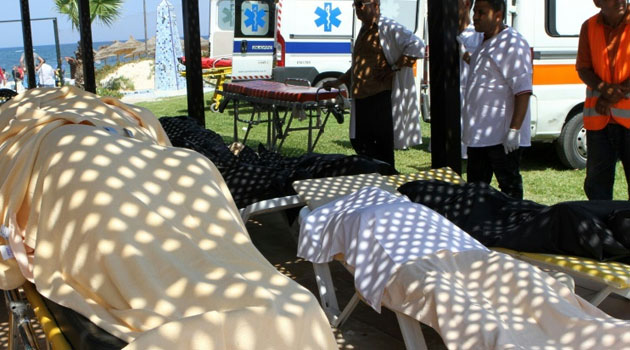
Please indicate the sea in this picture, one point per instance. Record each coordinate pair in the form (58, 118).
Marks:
(10, 56)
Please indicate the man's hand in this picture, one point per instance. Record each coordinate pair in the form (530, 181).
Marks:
(613, 93)
(603, 106)
(332, 84)
(512, 141)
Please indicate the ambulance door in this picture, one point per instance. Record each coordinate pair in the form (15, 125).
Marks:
(221, 28)
(317, 34)
(253, 39)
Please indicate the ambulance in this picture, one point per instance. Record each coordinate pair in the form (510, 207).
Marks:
(312, 40)
(309, 40)
(552, 29)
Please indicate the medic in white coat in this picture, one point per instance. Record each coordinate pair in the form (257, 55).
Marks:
(398, 41)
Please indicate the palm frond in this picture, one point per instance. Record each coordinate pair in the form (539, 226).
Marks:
(104, 11)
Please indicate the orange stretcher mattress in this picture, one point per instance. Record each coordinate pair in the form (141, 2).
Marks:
(213, 62)
(280, 91)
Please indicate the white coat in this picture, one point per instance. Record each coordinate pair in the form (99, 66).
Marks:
(397, 41)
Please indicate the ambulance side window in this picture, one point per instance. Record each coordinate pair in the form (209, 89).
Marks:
(226, 14)
(254, 19)
(565, 17)
(402, 11)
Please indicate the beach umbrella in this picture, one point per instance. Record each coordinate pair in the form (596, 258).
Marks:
(108, 51)
(205, 44)
(167, 50)
(139, 51)
(131, 45)
(125, 48)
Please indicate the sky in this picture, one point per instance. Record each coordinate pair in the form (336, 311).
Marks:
(131, 22)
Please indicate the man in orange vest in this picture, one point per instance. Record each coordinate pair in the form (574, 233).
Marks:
(603, 63)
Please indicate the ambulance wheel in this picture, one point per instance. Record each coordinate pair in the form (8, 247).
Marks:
(571, 145)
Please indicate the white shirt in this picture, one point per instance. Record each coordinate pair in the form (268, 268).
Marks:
(470, 40)
(46, 75)
(500, 68)
(377, 232)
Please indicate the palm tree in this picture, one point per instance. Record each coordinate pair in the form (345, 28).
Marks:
(104, 11)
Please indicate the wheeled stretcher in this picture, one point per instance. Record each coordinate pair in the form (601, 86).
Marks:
(278, 105)
(215, 71)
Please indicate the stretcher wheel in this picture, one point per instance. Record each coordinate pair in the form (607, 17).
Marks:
(214, 107)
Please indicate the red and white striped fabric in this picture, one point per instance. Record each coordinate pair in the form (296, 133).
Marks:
(280, 91)
(279, 15)
(251, 77)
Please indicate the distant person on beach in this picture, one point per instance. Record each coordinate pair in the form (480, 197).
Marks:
(46, 75)
(76, 67)
(3, 77)
(72, 62)
(18, 76)
(37, 61)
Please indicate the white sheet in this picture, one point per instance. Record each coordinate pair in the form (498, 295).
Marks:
(378, 232)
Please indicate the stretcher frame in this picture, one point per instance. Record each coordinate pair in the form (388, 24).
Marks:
(279, 115)
(316, 195)
(216, 76)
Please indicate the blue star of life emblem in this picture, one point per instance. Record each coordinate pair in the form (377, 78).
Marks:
(255, 17)
(327, 17)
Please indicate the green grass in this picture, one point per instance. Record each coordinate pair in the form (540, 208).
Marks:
(545, 179)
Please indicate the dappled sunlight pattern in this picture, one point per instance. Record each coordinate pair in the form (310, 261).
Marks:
(376, 232)
(141, 238)
(500, 69)
(317, 192)
(488, 300)
(442, 174)
(615, 274)
(473, 297)
(405, 102)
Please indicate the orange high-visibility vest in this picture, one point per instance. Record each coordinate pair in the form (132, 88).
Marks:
(620, 111)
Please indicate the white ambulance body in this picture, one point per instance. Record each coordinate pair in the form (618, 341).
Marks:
(312, 38)
(552, 28)
(221, 28)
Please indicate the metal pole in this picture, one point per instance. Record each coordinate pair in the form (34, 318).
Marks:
(209, 25)
(192, 50)
(144, 11)
(55, 29)
(85, 27)
(27, 37)
(444, 73)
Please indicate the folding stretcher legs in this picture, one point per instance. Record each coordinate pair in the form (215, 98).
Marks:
(19, 322)
(409, 327)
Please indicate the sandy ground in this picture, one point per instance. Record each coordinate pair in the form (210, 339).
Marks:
(141, 73)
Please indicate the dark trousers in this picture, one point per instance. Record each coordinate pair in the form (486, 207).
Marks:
(374, 133)
(605, 148)
(484, 161)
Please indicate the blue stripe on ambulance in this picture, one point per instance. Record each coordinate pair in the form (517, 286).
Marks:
(259, 46)
(318, 47)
